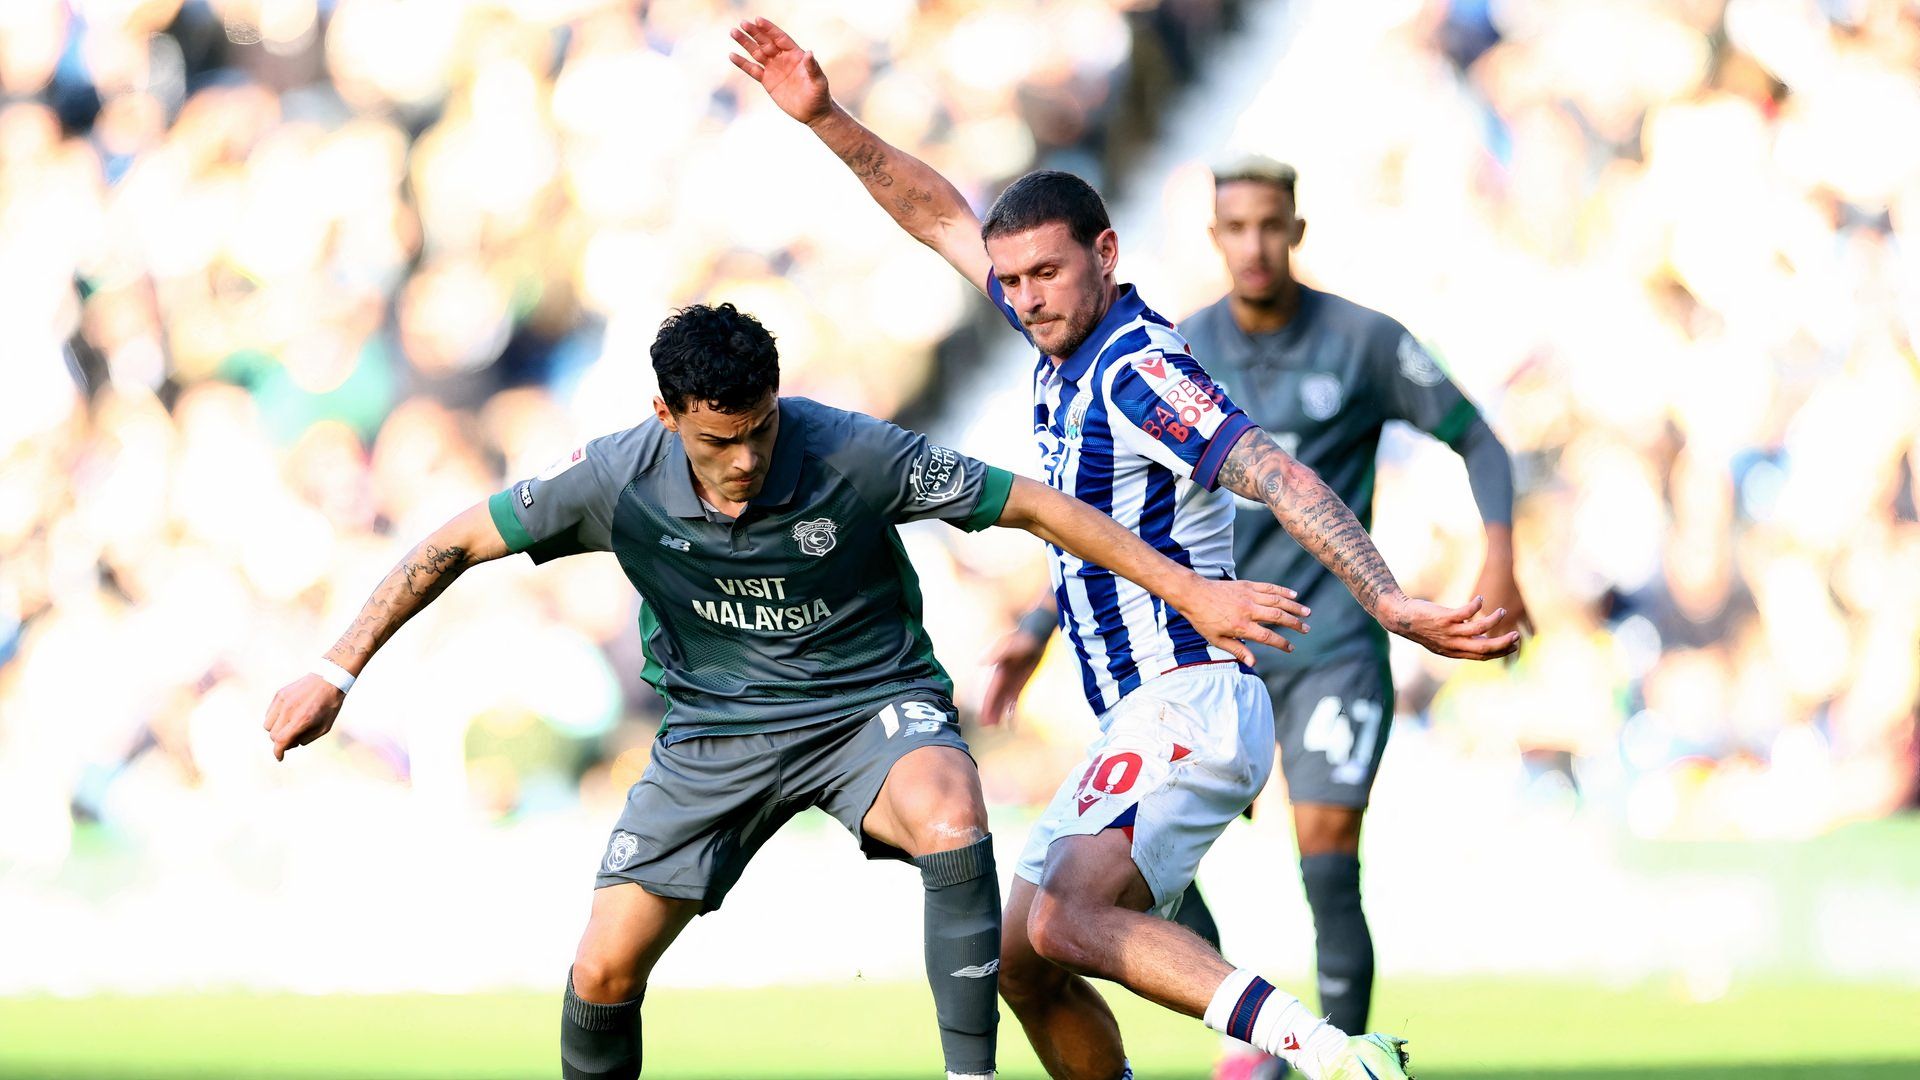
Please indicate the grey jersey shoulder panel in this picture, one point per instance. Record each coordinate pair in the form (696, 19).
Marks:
(903, 475)
(568, 508)
(1322, 387)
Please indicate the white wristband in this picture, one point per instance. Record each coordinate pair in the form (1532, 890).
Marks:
(340, 677)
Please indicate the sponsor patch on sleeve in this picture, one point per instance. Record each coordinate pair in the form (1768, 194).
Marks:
(937, 475)
(562, 464)
(525, 492)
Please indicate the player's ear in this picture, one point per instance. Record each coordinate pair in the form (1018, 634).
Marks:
(663, 414)
(1106, 247)
(1213, 233)
(1299, 232)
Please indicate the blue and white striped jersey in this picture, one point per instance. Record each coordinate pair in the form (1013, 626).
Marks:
(1132, 424)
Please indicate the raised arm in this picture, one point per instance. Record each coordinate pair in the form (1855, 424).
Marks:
(1225, 612)
(1316, 518)
(920, 200)
(305, 709)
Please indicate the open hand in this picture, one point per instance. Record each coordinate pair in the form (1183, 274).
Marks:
(790, 75)
(1229, 613)
(1465, 632)
(301, 712)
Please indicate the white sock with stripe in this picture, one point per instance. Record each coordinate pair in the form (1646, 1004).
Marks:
(1249, 1008)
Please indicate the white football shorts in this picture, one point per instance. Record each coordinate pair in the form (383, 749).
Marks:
(1177, 760)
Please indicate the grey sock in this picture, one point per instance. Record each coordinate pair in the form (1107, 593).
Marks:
(963, 951)
(1195, 915)
(1341, 938)
(599, 1042)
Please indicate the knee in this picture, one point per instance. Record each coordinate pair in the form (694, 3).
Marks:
(1059, 932)
(943, 817)
(605, 980)
(1027, 980)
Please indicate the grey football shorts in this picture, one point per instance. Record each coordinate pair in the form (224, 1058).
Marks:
(1331, 722)
(705, 805)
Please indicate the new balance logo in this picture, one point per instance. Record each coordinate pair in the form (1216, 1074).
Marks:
(675, 543)
(978, 971)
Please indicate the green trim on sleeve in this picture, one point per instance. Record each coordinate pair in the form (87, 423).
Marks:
(993, 499)
(1456, 422)
(514, 533)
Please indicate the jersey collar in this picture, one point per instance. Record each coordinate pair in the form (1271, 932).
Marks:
(1126, 307)
(783, 477)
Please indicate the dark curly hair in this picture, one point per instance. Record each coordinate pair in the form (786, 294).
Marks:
(717, 356)
(1044, 197)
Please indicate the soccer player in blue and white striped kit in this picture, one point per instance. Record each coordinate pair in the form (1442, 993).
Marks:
(1128, 421)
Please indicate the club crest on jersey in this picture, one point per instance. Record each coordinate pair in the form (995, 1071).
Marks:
(815, 537)
(1320, 395)
(1416, 363)
(621, 850)
(937, 476)
(1077, 415)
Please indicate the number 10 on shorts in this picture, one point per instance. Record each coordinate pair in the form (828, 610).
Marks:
(1110, 774)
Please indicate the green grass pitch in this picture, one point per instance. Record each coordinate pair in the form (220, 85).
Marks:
(1498, 1029)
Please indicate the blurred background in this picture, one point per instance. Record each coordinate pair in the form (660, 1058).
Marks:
(286, 283)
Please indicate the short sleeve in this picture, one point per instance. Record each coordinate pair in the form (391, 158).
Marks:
(1413, 386)
(1165, 407)
(568, 507)
(905, 476)
(999, 298)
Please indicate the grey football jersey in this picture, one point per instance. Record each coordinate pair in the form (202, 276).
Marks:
(802, 609)
(1322, 387)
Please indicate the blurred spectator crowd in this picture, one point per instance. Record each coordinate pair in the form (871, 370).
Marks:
(285, 283)
(1671, 249)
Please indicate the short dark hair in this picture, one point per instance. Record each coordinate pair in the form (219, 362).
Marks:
(1044, 197)
(718, 356)
(1256, 169)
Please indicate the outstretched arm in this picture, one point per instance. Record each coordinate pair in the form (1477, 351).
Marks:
(1315, 517)
(1490, 475)
(305, 709)
(1225, 612)
(920, 200)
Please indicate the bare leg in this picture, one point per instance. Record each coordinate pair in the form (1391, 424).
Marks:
(1088, 918)
(930, 807)
(1067, 1021)
(626, 935)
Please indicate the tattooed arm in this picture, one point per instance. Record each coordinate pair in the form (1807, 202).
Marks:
(1315, 517)
(305, 709)
(920, 200)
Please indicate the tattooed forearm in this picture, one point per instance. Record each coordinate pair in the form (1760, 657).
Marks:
(424, 574)
(1312, 514)
(868, 162)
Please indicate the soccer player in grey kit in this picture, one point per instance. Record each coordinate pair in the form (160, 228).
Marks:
(1321, 374)
(782, 623)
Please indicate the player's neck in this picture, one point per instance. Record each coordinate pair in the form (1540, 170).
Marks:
(1112, 294)
(1266, 316)
(723, 505)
